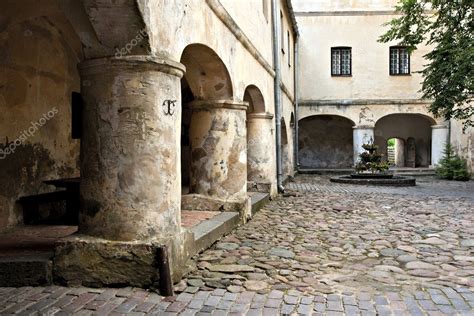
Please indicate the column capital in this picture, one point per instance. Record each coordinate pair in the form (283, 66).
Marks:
(363, 127)
(261, 116)
(441, 126)
(218, 104)
(134, 63)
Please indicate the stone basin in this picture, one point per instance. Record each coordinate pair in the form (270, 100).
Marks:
(376, 179)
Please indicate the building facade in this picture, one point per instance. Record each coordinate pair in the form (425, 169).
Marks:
(353, 89)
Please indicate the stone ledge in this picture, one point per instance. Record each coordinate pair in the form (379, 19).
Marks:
(88, 261)
(209, 231)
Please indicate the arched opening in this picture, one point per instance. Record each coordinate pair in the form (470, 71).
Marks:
(412, 133)
(206, 73)
(325, 142)
(396, 152)
(38, 76)
(254, 97)
(285, 150)
(206, 78)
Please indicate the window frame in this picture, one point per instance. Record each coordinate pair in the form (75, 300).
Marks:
(399, 64)
(340, 48)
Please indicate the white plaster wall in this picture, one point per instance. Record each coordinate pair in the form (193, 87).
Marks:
(346, 5)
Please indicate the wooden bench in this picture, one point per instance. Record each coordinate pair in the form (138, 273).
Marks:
(31, 207)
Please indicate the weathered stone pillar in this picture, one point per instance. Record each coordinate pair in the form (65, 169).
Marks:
(260, 152)
(362, 135)
(439, 139)
(218, 140)
(130, 148)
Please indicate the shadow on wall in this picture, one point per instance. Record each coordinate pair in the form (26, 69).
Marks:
(414, 130)
(325, 141)
(38, 74)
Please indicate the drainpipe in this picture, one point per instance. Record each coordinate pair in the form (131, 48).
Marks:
(276, 29)
(296, 146)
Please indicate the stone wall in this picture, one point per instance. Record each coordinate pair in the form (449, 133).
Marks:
(325, 142)
(37, 76)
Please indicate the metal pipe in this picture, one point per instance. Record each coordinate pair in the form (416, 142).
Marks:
(163, 263)
(296, 146)
(276, 29)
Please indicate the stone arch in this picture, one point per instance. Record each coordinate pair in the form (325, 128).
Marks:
(405, 126)
(40, 53)
(254, 97)
(325, 142)
(206, 73)
(285, 150)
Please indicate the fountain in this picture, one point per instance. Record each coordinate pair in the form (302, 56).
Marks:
(371, 170)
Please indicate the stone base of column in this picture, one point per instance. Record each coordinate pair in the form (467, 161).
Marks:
(199, 202)
(82, 260)
(261, 187)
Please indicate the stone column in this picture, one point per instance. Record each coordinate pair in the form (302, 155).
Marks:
(218, 140)
(130, 148)
(362, 135)
(260, 152)
(439, 139)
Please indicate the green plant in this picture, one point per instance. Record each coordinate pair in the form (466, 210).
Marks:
(452, 167)
(446, 27)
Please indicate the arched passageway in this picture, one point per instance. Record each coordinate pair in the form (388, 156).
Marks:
(396, 152)
(38, 75)
(411, 130)
(213, 134)
(325, 141)
(254, 97)
(285, 151)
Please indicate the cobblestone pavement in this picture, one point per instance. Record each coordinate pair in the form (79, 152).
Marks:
(323, 249)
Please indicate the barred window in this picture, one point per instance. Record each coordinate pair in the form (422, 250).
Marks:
(399, 61)
(341, 61)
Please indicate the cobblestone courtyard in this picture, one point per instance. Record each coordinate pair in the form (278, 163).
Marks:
(320, 249)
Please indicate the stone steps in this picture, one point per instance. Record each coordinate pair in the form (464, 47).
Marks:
(258, 201)
(26, 268)
(209, 231)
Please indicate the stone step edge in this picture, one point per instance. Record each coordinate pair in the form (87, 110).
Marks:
(209, 231)
(258, 201)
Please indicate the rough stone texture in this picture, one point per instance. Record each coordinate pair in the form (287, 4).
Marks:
(89, 261)
(325, 142)
(347, 241)
(218, 149)
(260, 161)
(326, 237)
(38, 75)
(20, 270)
(130, 149)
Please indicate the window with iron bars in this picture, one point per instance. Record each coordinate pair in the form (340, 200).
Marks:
(341, 61)
(399, 61)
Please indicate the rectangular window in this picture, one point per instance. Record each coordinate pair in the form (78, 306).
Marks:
(289, 49)
(341, 61)
(282, 33)
(265, 9)
(399, 61)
